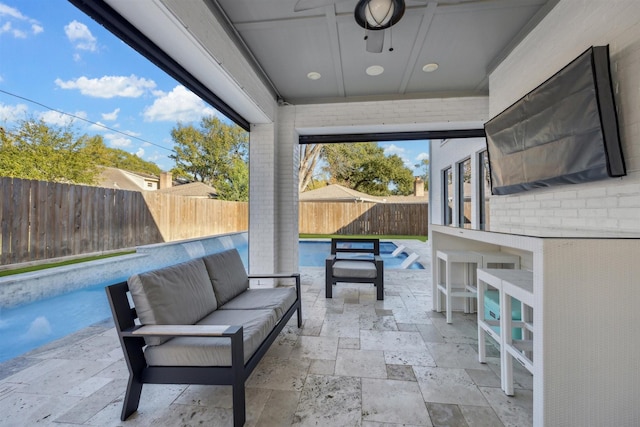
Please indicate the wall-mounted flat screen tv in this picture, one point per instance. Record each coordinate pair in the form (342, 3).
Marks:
(563, 132)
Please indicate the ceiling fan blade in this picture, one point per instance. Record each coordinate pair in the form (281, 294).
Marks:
(313, 4)
(375, 41)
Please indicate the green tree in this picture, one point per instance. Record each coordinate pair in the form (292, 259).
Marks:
(214, 153)
(35, 150)
(364, 167)
(117, 158)
(424, 163)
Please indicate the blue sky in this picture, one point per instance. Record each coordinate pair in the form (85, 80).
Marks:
(53, 54)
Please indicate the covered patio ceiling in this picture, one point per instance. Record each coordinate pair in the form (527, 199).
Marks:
(465, 38)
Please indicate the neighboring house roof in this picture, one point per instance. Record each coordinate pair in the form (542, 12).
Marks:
(124, 180)
(337, 193)
(192, 189)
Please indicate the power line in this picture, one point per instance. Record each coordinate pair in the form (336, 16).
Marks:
(86, 120)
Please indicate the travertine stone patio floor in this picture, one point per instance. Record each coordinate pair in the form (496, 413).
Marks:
(355, 362)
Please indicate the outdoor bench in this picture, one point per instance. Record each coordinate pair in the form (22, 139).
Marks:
(198, 323)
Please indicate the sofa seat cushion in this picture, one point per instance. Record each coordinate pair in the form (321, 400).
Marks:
(180, 294)
(356, 269)
(197, 351)
(279, 299)
(227, 273)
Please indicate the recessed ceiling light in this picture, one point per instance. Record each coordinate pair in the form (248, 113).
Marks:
(375, 70)
(429, 68)
(314, 75)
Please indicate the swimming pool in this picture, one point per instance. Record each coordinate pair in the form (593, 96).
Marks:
(28, 326)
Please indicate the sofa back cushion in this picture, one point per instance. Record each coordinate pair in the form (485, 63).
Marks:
(227, 273)
(177, 295)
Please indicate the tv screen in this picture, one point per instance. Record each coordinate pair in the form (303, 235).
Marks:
(563, 132)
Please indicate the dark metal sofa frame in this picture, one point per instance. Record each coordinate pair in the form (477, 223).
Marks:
(336, 249)
(132, 340)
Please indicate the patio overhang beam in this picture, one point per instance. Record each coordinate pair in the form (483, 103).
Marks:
(109, 18)
(391, 136)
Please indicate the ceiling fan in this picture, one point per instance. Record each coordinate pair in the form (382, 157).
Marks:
(375, 16)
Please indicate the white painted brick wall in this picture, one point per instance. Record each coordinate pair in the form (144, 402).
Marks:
(380, 116)
(569, 29)
(287, 190)
(262, 193)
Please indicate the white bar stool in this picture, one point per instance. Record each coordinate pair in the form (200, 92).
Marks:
(487, 279)
(496, 279)
(518, 285)
(450, 262)
(493, 260)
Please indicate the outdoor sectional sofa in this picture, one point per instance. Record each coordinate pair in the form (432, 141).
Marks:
(198, 323)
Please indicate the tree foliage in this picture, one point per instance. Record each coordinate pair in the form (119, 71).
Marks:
(117, 158)
(34, 150)
(364, 167)
(426, 164)
(214, 153)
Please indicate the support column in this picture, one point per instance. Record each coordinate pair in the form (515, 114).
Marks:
(263, 236)
(288, 162)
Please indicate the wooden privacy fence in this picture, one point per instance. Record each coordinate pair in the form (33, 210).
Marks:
(43, 220)
(405, 219)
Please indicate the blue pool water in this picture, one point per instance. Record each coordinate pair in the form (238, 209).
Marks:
(29, 326)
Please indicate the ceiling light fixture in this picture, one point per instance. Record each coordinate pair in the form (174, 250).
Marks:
(314, 75)
(374, 70)
(376, 15)
(430, 68)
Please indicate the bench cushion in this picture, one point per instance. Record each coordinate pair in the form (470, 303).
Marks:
(180, 294)
(197, 351)
(279, 299)
(227, 273)
(357, 269)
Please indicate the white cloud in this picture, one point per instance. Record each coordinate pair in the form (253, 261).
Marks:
(15, 20)
(97, 126)
(11, 12)
(117, 140)
(109, 86)
(394, 149)
(111, 116)
(12, 113)
(178, 105)
(140, 152)
(59, 119)
(81, 37)
(420, 157)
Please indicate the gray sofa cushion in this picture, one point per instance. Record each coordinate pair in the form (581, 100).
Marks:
(279, 299)
(177, 295)
(227, 273)
(358, 269)
(197, 351)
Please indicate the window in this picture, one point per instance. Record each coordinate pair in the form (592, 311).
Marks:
(447, 196)
(464, 194)
(484, 190)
